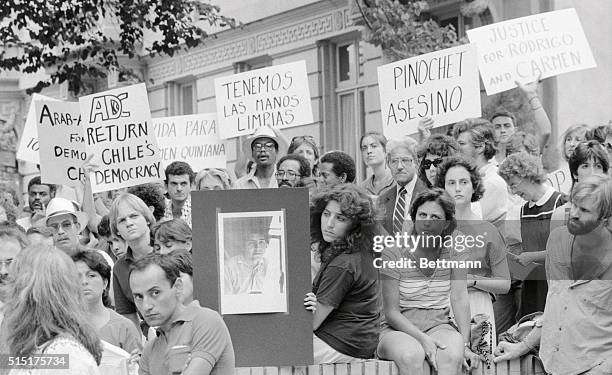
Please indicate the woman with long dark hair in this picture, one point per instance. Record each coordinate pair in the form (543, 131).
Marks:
(345, 292)
(45, 312)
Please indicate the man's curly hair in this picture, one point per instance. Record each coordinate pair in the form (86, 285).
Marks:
(523, 166)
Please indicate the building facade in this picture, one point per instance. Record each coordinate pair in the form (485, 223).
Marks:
(342, 67)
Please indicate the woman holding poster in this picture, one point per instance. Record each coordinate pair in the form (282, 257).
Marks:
(345, 293)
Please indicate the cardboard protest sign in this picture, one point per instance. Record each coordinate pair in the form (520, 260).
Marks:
(62, 142)
(523, 48)
(277, 96)
(193, 139)
(28, 145)
(120, 134)
(442, 85)
(560, 179)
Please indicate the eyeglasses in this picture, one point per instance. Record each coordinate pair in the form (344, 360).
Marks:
(268, 146)
(427, 163)
(396, 162)
(257, 243)
(289, 175)
(65, 225)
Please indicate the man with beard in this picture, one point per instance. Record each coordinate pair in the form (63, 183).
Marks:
(264, 147)
(574, 332)
(39, 195)
(395, 201)
(291, 169)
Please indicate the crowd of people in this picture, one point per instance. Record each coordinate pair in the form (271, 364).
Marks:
(81, 271)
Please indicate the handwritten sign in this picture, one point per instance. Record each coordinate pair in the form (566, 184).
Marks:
(120, 134)
(561, 179)
(277, 96)
(28, 145)
(523, 48)
(62, 142)
(442, 85)
(193, 139)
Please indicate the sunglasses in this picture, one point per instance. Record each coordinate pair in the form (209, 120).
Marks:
(427, 163)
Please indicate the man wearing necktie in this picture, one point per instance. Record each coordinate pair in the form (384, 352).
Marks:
(395, 201)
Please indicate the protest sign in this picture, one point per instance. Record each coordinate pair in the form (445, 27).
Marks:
(277, 96)
(62, 142)
(560, 179)
(193, 139)
(522, 49)
(28, 145)
(442, 85)
(120, 134)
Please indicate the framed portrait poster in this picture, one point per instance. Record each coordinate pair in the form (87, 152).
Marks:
(251, 258)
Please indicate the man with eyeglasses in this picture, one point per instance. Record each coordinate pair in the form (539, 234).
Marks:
(291, 169)
(246, 272)
(395, 201)
(263, 146)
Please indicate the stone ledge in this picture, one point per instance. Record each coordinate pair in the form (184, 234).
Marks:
(368, 367)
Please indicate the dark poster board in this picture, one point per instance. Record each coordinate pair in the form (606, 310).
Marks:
(262, 339)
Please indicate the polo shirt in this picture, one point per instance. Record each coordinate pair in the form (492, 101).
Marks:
(202, 331)
(124, 300)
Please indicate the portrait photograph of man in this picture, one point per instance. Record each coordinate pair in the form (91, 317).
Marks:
(252, 262)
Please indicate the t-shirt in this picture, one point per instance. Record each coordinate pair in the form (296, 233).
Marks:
(121, 332)
(417, 290)
(205, 335)
(491, 253)
(349, 284)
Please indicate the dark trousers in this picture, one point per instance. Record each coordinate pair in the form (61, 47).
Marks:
(507, 307)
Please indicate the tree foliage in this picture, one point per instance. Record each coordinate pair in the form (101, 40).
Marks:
(402, 29)
(69, 39)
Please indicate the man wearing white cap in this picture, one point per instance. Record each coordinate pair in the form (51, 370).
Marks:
(263, 146)
(66, 223)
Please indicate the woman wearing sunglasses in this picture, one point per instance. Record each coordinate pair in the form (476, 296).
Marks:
(431, 155)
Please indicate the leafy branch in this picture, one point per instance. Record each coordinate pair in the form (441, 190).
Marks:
(79, 40)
